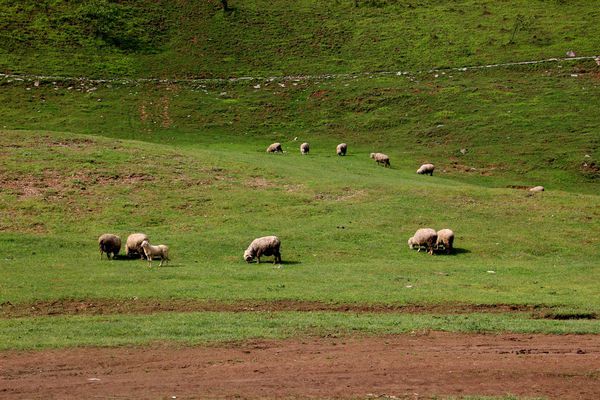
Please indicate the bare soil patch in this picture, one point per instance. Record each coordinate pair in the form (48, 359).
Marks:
(405, 366)
(149, 306)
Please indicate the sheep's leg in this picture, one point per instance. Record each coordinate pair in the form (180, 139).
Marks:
(161, 262)
(101, 254)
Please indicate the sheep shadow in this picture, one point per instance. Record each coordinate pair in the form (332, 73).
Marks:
(288, 262)
(455, 251)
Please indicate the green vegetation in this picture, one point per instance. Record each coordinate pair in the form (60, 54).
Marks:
(202, 328)
(184, 162)
(184, 38)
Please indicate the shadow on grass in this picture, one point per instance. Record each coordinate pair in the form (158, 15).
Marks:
(458, 250)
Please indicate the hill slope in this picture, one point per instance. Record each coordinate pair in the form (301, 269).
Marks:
(183, 38)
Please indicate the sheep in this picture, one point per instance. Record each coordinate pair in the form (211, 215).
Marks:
(263, 246)
(381, 158)
(275, 148)
(108, 244)
(134, 244)
(151, 251)
(445, 237)
(341, 149)
(426, 169)
(304, 148)
(537, 189)
(423, 237)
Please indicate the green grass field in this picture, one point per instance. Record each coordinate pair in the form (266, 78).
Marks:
(185, 163)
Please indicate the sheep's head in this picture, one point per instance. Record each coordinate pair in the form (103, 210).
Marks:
(145, 244)
(411, 242)
(248, 256)
(372, 155)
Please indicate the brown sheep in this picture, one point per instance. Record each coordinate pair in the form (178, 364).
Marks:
(109, 244)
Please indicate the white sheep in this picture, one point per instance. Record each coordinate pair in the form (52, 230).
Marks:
(537, 189)
(108, 244)
(304, 148)
(381, 158)
(426, 169)
(134, 244)
(263, 246)
(341, 149)
(275, 148)
(151, 251)
(423, 237)
(445, 237)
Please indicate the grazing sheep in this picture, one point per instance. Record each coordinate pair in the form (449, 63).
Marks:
(426, 169)
(445, 237)
(304, 148)
(275, 148)
(161, 251)
(108, 244)
(134, 244)
(341, 149)
(537, 189)
(381, 158)
(264, 246)
(423, 237)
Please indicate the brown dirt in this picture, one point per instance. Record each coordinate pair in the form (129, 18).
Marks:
(149, 306)
(404, 366)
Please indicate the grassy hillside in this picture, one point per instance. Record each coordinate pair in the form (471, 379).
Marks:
(184, 38)
(184, 161)
(520, 126)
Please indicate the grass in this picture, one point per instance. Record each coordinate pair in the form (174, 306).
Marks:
(209, 204)
(184, 162)
(188, 38)
(209, 327)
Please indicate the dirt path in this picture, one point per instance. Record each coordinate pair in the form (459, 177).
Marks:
(406, 366)
(150, 306)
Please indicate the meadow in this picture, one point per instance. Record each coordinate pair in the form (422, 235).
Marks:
(184, 161)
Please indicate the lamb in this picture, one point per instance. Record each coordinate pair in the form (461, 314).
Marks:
(423, 237)
(341, 149)
(275, 148)
(151, 251)
(426, 169)
(264, 246)
(304, 148)
(108, 244)
(445, 237)
(134, 244)
(381, 158)
(537, 189)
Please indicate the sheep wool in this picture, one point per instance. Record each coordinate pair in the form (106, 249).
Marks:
(263, 246)
(161, 251)
(109, 244)
(381, 158)
(426, 169)
(423, 237)
(445, 237)
(304, 148)
(134, 244)
(275, 148)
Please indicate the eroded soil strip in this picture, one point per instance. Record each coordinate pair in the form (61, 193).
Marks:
(139, 306)
(406, 366)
